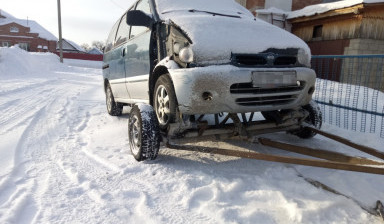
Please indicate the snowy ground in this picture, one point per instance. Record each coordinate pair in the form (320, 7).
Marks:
(63, 159)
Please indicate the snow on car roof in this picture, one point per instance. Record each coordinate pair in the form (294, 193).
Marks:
(322, 8)
(33, 25)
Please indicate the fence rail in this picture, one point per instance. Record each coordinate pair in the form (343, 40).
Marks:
(350, 91)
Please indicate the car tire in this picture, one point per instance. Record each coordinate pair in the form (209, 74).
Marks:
(314, 119)
(164, 101)
(113, 108)
(143, 132)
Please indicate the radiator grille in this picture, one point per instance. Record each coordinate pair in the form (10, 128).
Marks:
(247, 88)
(266, 101)
(264, 60)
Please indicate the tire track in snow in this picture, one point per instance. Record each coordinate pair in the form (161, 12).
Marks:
(32, 154)
(17, 193)
(26, 106)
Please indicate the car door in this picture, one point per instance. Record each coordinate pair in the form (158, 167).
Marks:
(137, 60)
(121, 92)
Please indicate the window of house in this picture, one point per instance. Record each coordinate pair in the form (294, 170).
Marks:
(5, 44)
(143, 5)
(123, 31)
(317, 31)
(24, 46)
(14, 29)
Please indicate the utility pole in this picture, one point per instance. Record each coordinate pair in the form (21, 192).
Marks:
(60, 36)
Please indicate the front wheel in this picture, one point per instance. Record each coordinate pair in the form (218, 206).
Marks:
(315, 119)
(164, 101)
(143, 132)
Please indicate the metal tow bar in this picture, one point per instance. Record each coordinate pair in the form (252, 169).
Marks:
(328, 159)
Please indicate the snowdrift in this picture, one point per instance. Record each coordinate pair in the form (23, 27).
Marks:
(17, 62)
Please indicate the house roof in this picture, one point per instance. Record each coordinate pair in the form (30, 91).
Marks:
(5, 14)
(33, 25)
(271, 10)
(326, 7)
(70, 45)
(95, 51)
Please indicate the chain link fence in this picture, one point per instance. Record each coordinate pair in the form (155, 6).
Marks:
(350, 91)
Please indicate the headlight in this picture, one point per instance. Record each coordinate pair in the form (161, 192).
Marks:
(303, 57)
(176, 48)
(186, 55)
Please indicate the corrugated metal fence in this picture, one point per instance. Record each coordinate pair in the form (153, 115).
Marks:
(350, 91)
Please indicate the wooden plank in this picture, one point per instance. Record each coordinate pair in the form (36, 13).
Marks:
(362, 148)
(319, 153)
(281, 159)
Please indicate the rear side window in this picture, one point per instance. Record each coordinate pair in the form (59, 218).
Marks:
(143, 5)
(111, 37)
(123, 31)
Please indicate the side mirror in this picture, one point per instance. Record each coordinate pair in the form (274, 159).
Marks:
(139, 18)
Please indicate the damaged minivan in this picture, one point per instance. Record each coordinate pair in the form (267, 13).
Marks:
(174, 61)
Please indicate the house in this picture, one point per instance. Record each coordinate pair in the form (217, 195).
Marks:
(95, 51)
(285, 5)
(341, 28)
(71, 47)
(353, 27)
(275, 17)
(28, 34)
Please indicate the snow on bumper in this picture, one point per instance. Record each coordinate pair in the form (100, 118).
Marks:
(226, 88)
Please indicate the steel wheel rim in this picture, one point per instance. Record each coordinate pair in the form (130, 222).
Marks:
(162, 105)
(134, 135)
(109, 99)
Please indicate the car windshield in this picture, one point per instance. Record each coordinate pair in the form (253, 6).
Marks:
(218, 7)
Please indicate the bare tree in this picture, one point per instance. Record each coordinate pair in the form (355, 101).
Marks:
(98, 44)
(85, 46)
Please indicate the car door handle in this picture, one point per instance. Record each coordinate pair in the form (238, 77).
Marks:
(123, 52)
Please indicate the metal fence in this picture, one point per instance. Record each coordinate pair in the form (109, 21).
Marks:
(350, 91)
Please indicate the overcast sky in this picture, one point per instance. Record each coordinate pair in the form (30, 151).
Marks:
(83, 21)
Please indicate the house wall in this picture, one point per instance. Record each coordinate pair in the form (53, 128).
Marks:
(24, 36)
(364, 46)
(285, 5)
(365, 30)
(299, 4)
(252, 5)
(332, 29)
(242, 2)
(372, 25)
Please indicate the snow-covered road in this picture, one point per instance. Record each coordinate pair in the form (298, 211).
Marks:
(63, 159)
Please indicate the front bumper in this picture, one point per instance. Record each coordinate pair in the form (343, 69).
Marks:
(230, 90)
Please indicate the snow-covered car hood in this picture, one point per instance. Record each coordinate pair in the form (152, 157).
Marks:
(215, 38)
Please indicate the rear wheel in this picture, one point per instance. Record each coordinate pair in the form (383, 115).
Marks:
(113, 108)
(314, 119)
(164, 99)
(143, 132)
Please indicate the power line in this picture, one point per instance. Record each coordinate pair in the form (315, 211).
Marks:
(116, 4)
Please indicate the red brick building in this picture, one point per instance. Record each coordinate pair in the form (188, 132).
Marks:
(287, 5)
(28, 34)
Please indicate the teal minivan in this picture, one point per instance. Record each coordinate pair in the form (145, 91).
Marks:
(180, 58)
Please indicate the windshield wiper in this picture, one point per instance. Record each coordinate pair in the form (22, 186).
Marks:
(194, 10)
(214, 13)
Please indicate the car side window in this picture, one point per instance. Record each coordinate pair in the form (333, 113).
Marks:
(143, 5)
(111, 37)
(123, 31)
